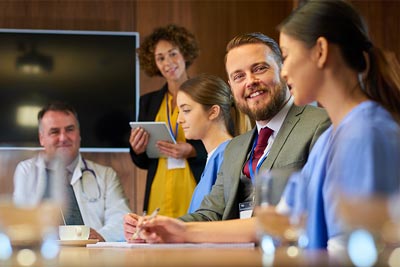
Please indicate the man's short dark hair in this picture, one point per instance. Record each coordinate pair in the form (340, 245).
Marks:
(57, 106)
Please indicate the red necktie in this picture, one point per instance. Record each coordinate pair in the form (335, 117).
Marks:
(262, 142)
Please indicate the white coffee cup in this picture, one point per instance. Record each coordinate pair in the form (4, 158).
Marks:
(73, 232)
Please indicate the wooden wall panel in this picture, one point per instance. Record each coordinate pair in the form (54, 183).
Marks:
(383, 22)
(68, 15)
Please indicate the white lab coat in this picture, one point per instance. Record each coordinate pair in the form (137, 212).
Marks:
(105, 214)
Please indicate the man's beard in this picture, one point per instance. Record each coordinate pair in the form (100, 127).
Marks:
(274, 106)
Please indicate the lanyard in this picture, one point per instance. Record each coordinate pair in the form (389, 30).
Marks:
(260, 161)
(175, 135)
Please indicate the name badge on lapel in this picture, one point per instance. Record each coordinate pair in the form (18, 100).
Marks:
(246, 209)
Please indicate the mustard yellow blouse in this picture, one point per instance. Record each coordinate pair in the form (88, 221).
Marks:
(172, 189)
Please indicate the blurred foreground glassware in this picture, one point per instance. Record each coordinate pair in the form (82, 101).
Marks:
(277, 225)
(29, 224)
(372, 227)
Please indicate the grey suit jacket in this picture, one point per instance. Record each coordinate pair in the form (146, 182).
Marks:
(299, 132)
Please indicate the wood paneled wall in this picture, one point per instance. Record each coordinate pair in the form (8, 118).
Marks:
(383, 22)
(213, 22)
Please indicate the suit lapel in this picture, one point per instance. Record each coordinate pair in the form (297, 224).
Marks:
(241, 150)
(289, 123)
(246, 147)
(237, 157)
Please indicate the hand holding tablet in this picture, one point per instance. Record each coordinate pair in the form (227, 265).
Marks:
(158, 131)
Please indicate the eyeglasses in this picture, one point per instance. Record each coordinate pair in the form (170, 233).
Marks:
(90, 173)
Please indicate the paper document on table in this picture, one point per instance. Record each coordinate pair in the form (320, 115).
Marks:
(169, 245)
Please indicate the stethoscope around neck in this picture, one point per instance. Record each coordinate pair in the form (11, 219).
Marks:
(90, 172)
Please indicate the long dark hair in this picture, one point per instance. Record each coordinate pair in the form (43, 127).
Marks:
(341, 24)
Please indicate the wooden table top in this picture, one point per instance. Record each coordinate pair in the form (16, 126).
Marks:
(70, 256)
(82, 256)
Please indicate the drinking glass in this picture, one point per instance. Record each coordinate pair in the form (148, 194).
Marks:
(29, 222)
(278, 224)
(371, 224)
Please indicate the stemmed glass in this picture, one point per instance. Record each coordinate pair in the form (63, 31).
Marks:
(278, 223)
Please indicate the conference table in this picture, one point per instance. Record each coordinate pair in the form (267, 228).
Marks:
(121, 257)
(71, 256)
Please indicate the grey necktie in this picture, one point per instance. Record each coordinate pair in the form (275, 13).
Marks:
(48, 183)
(73, 215)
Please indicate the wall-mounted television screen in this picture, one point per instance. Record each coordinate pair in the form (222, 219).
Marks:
(97, 72)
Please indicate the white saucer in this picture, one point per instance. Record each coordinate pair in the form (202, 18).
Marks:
(77, 243)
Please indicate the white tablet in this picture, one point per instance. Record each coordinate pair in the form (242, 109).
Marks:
(158, 131)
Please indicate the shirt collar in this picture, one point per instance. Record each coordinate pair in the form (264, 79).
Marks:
(276, 122)
(71, 167)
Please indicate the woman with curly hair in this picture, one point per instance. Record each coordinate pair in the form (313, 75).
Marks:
(167, 52)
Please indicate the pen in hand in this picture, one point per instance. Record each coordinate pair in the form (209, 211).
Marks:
(138, 229)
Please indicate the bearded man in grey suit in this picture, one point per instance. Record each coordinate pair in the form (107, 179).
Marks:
(253, 63)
